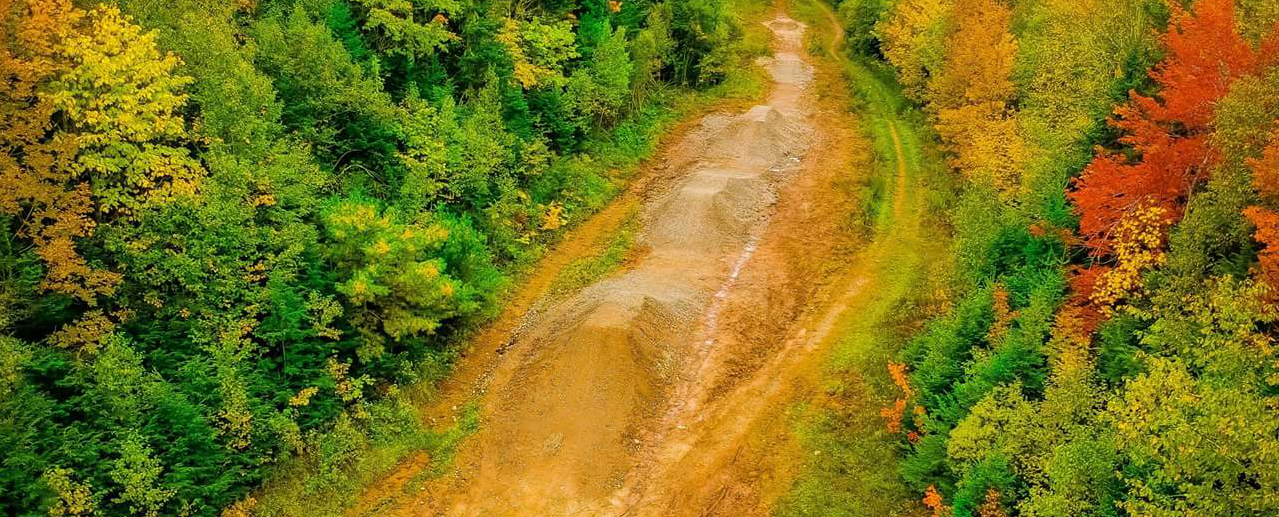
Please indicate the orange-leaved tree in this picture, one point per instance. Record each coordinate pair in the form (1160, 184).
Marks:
(1169, 134)
(37, 182)
(1265, 178)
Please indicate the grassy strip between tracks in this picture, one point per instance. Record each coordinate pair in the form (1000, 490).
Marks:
(851, 463)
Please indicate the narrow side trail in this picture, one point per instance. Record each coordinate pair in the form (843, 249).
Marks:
(663, 390)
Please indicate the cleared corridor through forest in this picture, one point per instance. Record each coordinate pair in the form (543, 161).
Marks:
(661, 390)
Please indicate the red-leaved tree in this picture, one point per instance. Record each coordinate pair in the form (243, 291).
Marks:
(1169, 134)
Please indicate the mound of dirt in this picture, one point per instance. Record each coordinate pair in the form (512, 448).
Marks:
(716, 204)
(760, 137)
(786, 66)
(788, 31)
(738, 207)
(583, 375)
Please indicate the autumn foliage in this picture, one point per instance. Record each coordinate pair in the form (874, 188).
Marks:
(36, 172)
(992, 506)
(972, 93)
(1266, 180)
(1168, 135)
(1111, 347)
(893, 414)
(933, 500)
(107, 154)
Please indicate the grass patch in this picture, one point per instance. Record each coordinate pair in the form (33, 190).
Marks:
(851, 466)
(443, 445)
(610, 258)
(878, 101)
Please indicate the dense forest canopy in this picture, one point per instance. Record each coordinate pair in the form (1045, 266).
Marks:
(227, 226)
(1109, 345)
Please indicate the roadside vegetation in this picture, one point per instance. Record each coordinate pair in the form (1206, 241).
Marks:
(1104, 343)
(242, 240)
(611, 256)
(849, 457)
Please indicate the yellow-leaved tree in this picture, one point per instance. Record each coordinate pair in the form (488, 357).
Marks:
(539, 51)
(90, 132)
(972, 92)
(912, 37)
(38, 185)
(121, 97)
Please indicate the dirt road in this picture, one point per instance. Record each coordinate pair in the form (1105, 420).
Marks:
(662, 390)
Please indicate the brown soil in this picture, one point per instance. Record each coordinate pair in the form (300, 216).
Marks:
(662, 390)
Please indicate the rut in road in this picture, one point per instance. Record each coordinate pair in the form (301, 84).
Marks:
(596, 405)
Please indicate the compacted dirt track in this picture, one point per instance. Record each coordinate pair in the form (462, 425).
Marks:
(661, 390)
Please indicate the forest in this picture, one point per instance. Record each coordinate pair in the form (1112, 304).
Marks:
(1107, 345)
(237, 236)
(230, 230)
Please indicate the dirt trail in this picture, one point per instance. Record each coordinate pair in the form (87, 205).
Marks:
(662, 390)
(584, 386)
